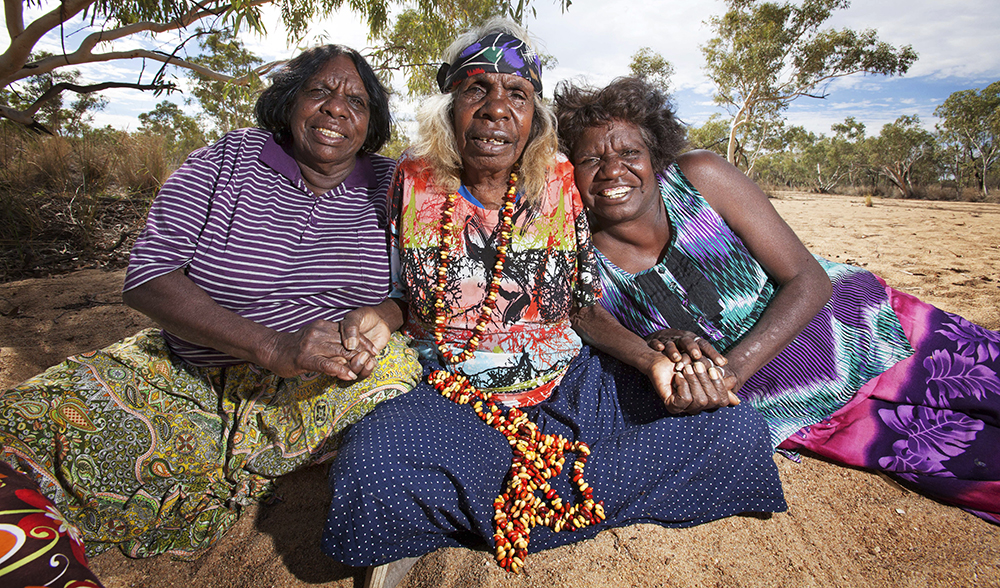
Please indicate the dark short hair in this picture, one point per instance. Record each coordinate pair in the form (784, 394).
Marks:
(629, 99)
(275, 105)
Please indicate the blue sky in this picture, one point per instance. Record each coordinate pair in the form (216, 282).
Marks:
(593, 41)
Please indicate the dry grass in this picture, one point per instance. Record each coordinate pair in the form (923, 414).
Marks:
(68, 203)
(74, 202)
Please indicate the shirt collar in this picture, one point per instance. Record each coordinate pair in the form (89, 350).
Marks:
(280, 159)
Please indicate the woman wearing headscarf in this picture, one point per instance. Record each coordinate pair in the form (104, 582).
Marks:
(541, 417)
(693, 256)
(252, 253)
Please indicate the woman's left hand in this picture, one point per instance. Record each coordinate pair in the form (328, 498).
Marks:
(677, 343)
(364, 326)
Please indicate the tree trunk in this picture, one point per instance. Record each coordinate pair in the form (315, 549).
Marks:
(731, 148)
(983, 184)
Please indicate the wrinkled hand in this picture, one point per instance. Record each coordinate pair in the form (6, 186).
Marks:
(346, 350)
(698, 386)
(676, 343)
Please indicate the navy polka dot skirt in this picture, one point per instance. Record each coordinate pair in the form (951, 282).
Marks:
(420, 472)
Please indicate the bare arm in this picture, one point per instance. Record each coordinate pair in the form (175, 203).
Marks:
(181, 307)
(803, 286)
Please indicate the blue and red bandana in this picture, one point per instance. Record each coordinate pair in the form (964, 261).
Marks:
(494, 53)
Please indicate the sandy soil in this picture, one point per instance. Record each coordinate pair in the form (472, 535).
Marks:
(843, 528)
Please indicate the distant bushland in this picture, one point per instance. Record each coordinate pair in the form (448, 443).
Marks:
(73, 202)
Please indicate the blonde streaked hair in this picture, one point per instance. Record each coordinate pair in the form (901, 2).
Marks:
(436, 143)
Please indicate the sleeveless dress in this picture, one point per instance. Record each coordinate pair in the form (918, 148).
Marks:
(877, 379)
(421, 472)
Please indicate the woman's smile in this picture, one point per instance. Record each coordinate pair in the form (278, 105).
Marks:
(329, 133)
(616, 193)
(614, 173)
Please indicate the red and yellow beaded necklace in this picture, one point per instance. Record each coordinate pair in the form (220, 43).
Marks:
(537, 456)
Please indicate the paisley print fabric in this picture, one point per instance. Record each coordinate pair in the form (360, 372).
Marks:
(932, 420)
(550, 269)
(142, 451)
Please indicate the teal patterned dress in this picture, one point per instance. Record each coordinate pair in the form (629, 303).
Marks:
(878, 379)
(709, 283)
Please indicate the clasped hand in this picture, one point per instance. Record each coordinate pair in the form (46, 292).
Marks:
(347, 349)
(691, 377)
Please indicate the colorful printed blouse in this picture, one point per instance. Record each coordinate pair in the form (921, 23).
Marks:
(550, 270)
(709, 283)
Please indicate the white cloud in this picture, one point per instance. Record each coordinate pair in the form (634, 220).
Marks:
(954, 39)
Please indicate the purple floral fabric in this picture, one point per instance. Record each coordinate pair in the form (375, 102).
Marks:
(932, 420)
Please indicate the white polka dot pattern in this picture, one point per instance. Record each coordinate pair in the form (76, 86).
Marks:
(420, 472)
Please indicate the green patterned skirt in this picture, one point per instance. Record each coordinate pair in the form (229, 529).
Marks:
(143, 451)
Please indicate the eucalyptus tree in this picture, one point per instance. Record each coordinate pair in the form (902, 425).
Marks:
(904, 154)
(712, 135)
(226, 105)
(971, 120)
(54, 114)
(119, 30)
(181, 132)
(652, 67)
(420, 35)
(766, 54)
(838, 159)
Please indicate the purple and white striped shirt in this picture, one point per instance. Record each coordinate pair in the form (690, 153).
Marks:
(241, 221)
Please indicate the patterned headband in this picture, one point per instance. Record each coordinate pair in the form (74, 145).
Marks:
(494, 53)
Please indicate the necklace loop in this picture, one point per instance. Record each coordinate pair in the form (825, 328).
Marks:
(446, 243)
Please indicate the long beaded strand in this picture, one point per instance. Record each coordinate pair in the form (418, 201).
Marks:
(490, 301)
(537, 456)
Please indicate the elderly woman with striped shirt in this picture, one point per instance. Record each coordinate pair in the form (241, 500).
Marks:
(252, 253)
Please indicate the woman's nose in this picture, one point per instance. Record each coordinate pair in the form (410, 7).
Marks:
(495, 106)
(335, 105)
(611, 167)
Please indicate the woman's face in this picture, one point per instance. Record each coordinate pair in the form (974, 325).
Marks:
(492, 117)
(329, 120)
(614, 173)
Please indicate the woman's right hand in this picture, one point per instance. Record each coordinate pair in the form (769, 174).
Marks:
(692, 386)
(701, 385)
(321, 346)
